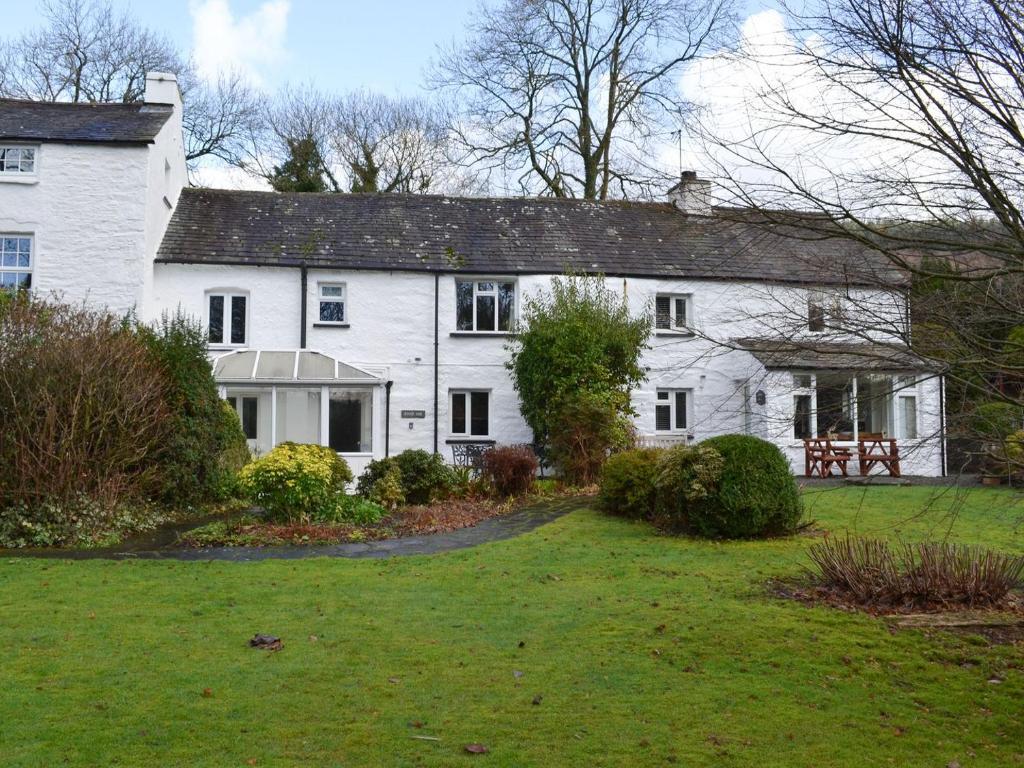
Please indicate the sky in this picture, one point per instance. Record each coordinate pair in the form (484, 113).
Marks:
(382, 45)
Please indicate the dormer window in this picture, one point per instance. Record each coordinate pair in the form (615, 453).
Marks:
(227, 319)
(824, 311)
(17, 161)
(672, 312)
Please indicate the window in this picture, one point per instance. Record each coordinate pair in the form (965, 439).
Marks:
(906, 407)
(15, 261)
(484, 305)
(332, 303)
(471, 413)
(671, 312)
(802, 428)
(227, 319)
(824, 311)
(17, 160)
(247, 409)
(670, 410)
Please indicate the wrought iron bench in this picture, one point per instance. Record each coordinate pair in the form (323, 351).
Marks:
(469, 455)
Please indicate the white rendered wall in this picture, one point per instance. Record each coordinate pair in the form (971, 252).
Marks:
(391, 327)
(86, 211)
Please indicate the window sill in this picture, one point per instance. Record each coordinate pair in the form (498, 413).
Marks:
(480, 334)
(470, 441)
(15, 180)
(226, 347)
(330, 325)
(676, 334)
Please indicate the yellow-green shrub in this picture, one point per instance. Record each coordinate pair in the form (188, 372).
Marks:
(297, 482)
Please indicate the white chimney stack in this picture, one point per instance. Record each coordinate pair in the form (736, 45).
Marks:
(691, 195)
(162, 88)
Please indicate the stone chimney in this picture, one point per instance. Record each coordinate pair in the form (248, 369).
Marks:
(162, 88)
(691, 195)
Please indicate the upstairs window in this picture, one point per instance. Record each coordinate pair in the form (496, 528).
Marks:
(15, 261)
(17, 160)
(824, 311)
(670, 410)
(484, 305)
(332, 303)
(227, 318)
(470, 413)
(671, 312)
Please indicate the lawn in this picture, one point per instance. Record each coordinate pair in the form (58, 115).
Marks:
(589, 642)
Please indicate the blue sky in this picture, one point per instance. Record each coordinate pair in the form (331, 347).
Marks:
(383, 45)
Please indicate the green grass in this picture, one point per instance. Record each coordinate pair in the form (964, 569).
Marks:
(647, 650)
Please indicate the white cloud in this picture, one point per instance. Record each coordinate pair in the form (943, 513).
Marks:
(248, 44)
(219, 176)
(747, 96)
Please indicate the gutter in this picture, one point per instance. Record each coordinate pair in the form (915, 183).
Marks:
(942, 424)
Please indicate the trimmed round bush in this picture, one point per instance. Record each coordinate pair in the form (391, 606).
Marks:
(755, 494)
(411, 477)
(425, 476)
(628, 485)
(510, 469)
(297, 483)
(685, 475)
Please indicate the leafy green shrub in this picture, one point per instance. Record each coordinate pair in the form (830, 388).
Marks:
(755, 494)
(425, 476)
(994, 421)
(627, 485)
(206, 447)
(510, 469)
(685, 475)
(381, 483)
(585, 429)
(574, 358)
(357, 510)
(297, 482)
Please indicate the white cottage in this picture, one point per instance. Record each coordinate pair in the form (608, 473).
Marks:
(376, 323)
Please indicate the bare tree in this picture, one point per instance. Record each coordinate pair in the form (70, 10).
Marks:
(569, 96)
(899, 124)
(300, 116)
(85, 51)
(396, 145)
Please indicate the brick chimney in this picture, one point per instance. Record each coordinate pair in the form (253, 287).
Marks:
(162, 88)
(691, 195)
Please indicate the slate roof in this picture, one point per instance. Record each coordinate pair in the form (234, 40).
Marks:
(501, 236)
(81, 123)
(833, 356)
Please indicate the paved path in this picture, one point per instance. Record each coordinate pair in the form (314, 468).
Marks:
(493, 529)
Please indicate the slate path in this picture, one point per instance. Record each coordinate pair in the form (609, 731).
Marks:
(493, 529)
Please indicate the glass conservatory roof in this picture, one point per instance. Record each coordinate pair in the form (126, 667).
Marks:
(287, 366)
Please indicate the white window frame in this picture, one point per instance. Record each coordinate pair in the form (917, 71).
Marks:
(673, 323)
(18, 270)
(905, 387)
(671, 392)
(468, 433)
(228, 295)
(832, 311)
(496, 293)
(321, 300)
(20, 175)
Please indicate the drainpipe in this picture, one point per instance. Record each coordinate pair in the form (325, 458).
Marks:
(437, 284)
(942, 423)
(387, 418)
(302, 330)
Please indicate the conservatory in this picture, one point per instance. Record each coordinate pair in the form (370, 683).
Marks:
(301, 396)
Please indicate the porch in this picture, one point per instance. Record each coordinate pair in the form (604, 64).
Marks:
(303, 396)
